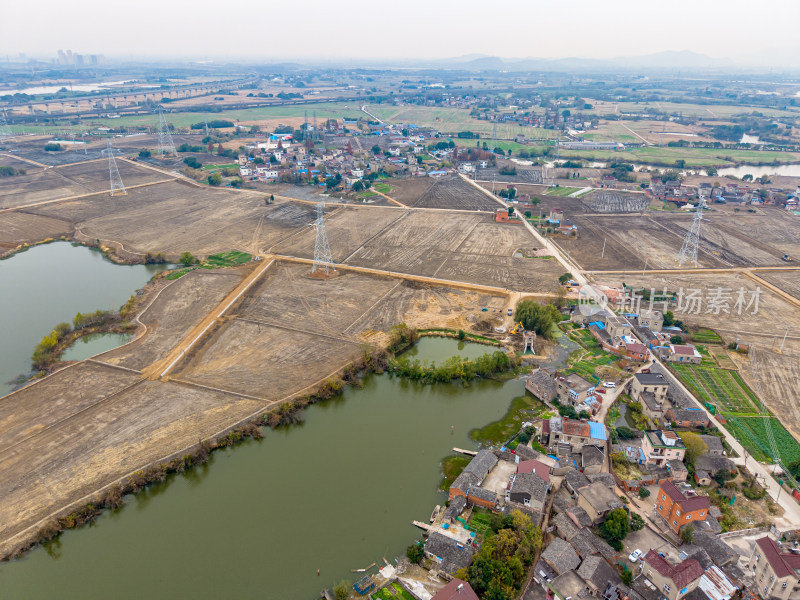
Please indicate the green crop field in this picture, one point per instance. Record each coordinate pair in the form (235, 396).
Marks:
(229, 259)
(562, 191)
(721, 387)
(383, 188)
(706, 336)
(752, 432)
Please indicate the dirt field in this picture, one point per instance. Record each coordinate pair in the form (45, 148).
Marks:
(41, 185)
(763, 329)
(175, 217)
(789, 282)
(454, 192)
(177, 308)
(409, 191)
(17, 227)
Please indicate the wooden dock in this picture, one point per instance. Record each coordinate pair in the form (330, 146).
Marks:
(467, 452)
(422, 525)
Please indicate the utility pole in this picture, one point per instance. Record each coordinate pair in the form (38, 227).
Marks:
(603, 253)
(784, 338)
(645, 265)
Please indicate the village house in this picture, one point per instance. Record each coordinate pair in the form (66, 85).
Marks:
(636, 351)
(597, 499)
(450, 554)
(560, 556)
(673, 582)
(714, 444)
(686, 354)
(568, 586)
(528, 489)
(677, 470)
(597, 574)
(777, 574)
(573, 389)
(660, 446)
(678, 510)
(688, 417)
(650, 389)
(563, 430)
(542, 385)
(592, 459)
(456, 590)
(473, 474)
(713, 464)
(651, 319)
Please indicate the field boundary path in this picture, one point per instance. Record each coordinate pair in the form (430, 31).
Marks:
(162, 367)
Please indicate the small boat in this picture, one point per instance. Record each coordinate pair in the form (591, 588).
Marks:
(435, 513)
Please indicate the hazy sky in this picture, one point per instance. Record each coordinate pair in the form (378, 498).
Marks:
(763, 32)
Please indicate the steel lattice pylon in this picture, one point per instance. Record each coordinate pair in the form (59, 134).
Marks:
(692, 240)
(5, 131)
(165, 143)
(117, 187)
(323, 259)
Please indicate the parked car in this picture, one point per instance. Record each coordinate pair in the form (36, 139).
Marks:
(600, 391)
(609, 384)
(510, 312)
(634, 557)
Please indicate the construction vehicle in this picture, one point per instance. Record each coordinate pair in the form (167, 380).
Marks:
(787, 258)
(518, 328)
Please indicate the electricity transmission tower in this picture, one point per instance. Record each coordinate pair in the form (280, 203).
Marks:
(494, 131)
(165, 143)
(117, 187)
(323, 259)
(5, 131)
(208, 135)
(692, 240)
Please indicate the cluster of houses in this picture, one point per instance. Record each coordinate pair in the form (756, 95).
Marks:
(734, 193)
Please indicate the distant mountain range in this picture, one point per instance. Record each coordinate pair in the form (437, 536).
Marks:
(669, 60)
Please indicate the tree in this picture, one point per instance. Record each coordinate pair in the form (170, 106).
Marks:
(747, 177)
(643, 492)
(695, 446)
(415, 553)
(616, 525)
(376, 149)
(341, 591)
(187, 259)
(687, 534)
(711, 171)
(669, 318)
(220, 149)
(565, 278)
(637, 522)
(625, 433)
(675, 339)
(214, 179)
(144, 153)
(537, 317)
(358, 186)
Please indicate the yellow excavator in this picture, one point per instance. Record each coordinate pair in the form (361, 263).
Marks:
(518, 328)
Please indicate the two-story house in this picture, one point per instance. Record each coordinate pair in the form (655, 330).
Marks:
(673, 582)
(660, 446)
(678, 510)
(573, 389)
(777, 574)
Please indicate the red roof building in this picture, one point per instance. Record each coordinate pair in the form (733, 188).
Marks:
(777, 575)
(456, 590)
(673, 581)
(678, 510)
(535, 466)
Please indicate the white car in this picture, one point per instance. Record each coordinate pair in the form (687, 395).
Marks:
(635, 555)
(609, 384)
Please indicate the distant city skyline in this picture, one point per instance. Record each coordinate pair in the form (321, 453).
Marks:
(314, 30)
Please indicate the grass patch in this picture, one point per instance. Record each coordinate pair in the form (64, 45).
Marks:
(383, 188)
(177, 274)
(215, 167)
(522, 408)
(473, 337)
(229, 259)
(451, 468)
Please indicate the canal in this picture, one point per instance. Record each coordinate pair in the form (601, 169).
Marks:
(49, 284)
(335, 493)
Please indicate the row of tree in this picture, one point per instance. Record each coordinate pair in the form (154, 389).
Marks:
(454, 367)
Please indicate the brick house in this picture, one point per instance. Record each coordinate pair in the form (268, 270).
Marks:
(777, 575)
(688, 417)
(473, 474)
(686, 354)
(673, 582)
(636, 352)
(678, 510)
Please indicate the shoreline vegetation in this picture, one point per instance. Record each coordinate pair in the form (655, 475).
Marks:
(290, 412)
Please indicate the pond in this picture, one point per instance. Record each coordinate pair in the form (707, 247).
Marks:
(95, 343)
(336, 493)
(430, 349)
(50, 284)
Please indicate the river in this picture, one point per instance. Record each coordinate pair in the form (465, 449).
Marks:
(335, 493)
(758, 171)
(49, 284)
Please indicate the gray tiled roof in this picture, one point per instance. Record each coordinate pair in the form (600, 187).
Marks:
(455, 507)
(717, 549)
(453, 557)
(530, 484)
(481, 493)
(713, 442)
(713, 463)
(598, 573)
(566, 528)
(575, 480)
(561, 556)
(591, 456)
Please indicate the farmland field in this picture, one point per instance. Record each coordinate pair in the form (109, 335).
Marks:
(563, 191)
(693, 157)
(752, 432)
(720, 387)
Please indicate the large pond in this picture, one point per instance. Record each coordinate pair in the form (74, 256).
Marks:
(758, 171)
(336, 493)
(49, 284)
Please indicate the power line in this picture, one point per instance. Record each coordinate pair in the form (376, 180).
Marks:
(117, 187)
(323, 259)
(165, 143)
(688, 250)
